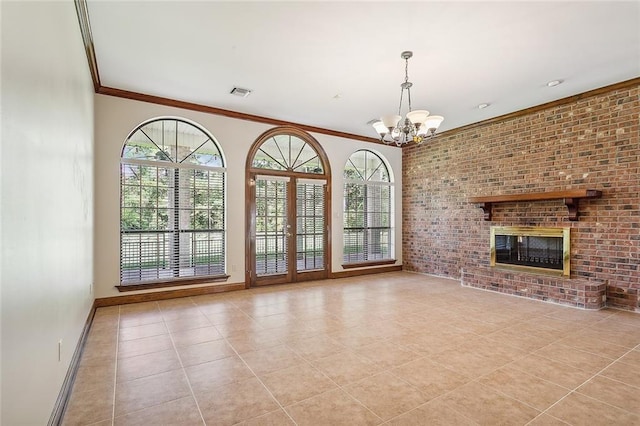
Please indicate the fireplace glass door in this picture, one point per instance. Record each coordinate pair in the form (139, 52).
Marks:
(531, 248)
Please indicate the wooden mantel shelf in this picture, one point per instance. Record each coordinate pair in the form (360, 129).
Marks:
(571, 199)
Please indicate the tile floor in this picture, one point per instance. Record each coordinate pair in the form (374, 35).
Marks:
(393, 349)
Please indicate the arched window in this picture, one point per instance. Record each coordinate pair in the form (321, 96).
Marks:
(368, 209)
(172, 204)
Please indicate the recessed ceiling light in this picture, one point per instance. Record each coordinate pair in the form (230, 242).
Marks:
(483, 106)
(554, 83)
(239, 91)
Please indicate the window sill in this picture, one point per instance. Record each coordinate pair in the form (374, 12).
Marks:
(173, 283)
(368, 263)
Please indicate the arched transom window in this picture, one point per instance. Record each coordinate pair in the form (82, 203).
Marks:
(172, 204)
(287, 153)
(368, 209)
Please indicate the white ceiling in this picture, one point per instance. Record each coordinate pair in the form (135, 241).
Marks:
(337, 65)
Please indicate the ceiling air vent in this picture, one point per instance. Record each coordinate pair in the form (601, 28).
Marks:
(239, 91)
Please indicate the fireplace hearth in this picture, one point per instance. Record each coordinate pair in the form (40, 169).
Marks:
(531, 248)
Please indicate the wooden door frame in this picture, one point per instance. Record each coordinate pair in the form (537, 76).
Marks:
(250, 205)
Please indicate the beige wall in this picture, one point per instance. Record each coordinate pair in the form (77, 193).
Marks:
(116, 117)
(46, 203)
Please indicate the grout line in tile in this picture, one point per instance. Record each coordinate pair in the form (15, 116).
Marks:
(184, 372)
(115, 370)
(248, 366)
(575, 389)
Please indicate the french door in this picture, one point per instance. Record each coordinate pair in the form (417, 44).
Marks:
(288, 229)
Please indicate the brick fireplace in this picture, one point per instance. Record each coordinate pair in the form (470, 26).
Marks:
(590, 141)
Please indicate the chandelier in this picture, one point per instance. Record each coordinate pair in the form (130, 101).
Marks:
(417, 126)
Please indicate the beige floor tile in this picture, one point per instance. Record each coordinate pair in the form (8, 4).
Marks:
(210, 375)
(623, 317)
(86, 407)
(613, 392)
(429, 343)
(333, 408)
(433, 413)
(109, 315)
(183, 412)
(594, 346)
(139, 366)
(430, 378)
(175, 303)
(294, 330)
(140, 318)
(488, 407)
(275, 320)
(524, 337)
(106, 335)
(632, 358)
(489, 349)
(531, 390)
(90, 377)
(144, 346)
(387, 354)
(265, 361)
(620, 338)
(139, 307)
(98, 351)
(294, 384)
(355, 337)
(553, 371)
(574, 357)
(148, 391)
(577, 409)
(103, 423)
(346, 367)
(316, 347)
(235, 402)
(195, 336)
(204, 352)
(181, 324)
(226, 316)
(182, 313)
(386, 395)
(239, 326)
(275, 418)
(252, 341)
(107, 361)
(469, 364)
(623, 372)
(141, 331)
(465, 351)
(546, 420)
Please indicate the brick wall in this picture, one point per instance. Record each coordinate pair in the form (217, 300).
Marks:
(590, 143)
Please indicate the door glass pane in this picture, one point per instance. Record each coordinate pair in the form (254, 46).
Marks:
(310, 224)
(271, 227)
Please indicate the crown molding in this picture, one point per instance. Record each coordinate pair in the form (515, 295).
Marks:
(110, 91)
(87, 38)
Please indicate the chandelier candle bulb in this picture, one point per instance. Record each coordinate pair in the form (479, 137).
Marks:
(417, 126)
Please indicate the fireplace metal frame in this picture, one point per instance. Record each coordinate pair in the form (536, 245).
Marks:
(534, 231)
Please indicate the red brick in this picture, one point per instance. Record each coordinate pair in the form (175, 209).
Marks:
(591, 143)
